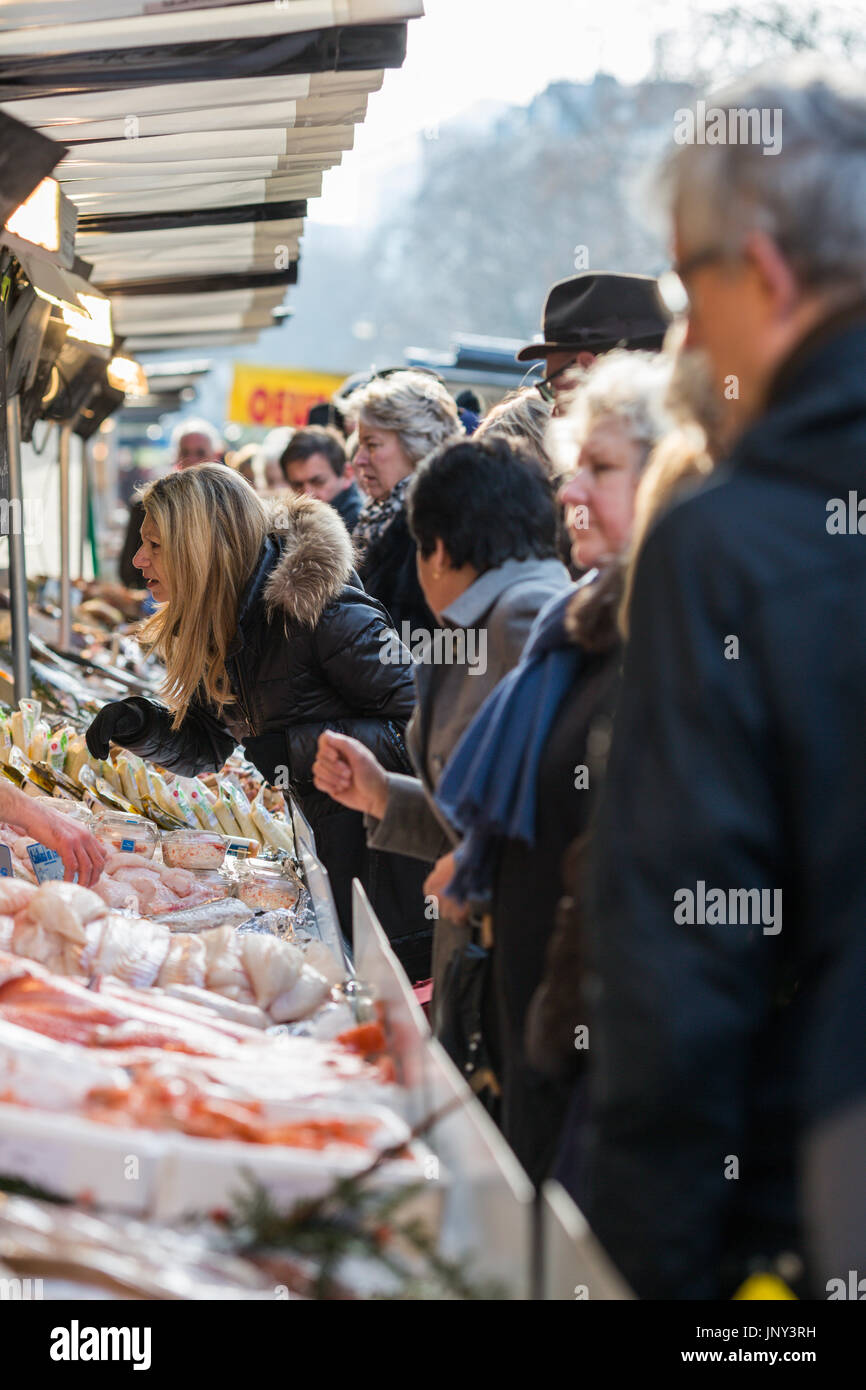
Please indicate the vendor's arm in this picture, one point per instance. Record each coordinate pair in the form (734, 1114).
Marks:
(81, 852)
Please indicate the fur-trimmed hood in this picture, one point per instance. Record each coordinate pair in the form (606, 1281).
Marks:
(316, 561)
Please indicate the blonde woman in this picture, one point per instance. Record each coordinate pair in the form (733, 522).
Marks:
(268, 639)
(402, 416)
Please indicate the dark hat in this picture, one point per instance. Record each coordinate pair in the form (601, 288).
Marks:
(594, 313)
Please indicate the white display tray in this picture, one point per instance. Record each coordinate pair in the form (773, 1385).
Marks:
(167, 1175)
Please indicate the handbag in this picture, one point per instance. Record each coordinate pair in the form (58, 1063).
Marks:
(461, 1014)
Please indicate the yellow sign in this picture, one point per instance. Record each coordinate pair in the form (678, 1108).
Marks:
(270, 396)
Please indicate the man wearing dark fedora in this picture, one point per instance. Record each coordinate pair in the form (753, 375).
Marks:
(591, 313)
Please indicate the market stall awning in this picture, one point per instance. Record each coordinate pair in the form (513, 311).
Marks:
(195, 137)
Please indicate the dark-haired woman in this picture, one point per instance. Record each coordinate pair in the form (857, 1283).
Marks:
(485, 524)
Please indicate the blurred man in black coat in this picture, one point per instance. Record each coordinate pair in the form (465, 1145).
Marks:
(730, 904)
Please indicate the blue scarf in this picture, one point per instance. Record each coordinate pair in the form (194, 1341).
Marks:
(489, 786)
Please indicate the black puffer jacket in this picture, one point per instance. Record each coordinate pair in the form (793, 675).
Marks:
(306, 658)
(390, 573)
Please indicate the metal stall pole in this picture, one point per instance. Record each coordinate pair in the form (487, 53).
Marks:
(65, 638)
(21, 672)
(85, 507)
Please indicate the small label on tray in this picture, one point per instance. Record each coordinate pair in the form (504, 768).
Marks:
(5, 862)
(128, 846)
(46, 862)
(240, 848)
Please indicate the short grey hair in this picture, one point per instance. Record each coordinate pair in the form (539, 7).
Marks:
(197, 426)
(416, 406)
(810, 197)
(627, 386)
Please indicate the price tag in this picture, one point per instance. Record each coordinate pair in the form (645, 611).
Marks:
(46, 862)
(128, 846)
(5, 862)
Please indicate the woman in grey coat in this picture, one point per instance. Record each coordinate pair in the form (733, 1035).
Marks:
(485, 523)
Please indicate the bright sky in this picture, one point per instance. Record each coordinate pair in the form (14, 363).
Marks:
(466, 51)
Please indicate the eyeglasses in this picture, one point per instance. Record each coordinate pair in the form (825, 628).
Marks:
(672, 283)
(545, 386)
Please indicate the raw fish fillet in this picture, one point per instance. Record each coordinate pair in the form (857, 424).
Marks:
(14, 895)
(65, 908)
(34, 1070)
(185, 963)
(117, 895)
(309, 991)
(273, 966)
(127, 949)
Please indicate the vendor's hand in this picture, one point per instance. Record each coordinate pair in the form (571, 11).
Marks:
(350, 774)
(114, 723)
(436, 886)
(80, 851)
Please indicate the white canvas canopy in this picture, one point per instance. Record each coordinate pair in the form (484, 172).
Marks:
(194, 140)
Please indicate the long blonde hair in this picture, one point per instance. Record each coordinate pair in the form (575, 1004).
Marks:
(211, 530)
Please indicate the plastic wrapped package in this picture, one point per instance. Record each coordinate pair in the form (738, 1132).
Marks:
(128, 784)
(268, 887)
(193, 849)
(240, 809)
(198, 801)
(38, 745)
(274, 831)
(56, 750)
(126, 834)
(77, 757)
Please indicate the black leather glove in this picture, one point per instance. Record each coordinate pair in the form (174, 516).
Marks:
(117, 722)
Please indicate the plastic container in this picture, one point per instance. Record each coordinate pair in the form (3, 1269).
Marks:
(126, 834)
(267, 887)
(239, 848)
(193, 849)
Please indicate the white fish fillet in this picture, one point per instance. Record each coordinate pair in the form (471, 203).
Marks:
(185, 963)
(7, 927)
(117, 895)
(320, 957)
(33, 940)
(229, 1009)
(131, 950)
(14, 895)
(310, 990)
(179, 881)
(273, 966)
(65, 908)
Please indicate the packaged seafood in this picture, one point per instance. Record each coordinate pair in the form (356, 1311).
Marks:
(239, 848)
(193, 849)
(126, 834)
(240, 808)
(195, 793)
(273, 829)
(269, 888)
